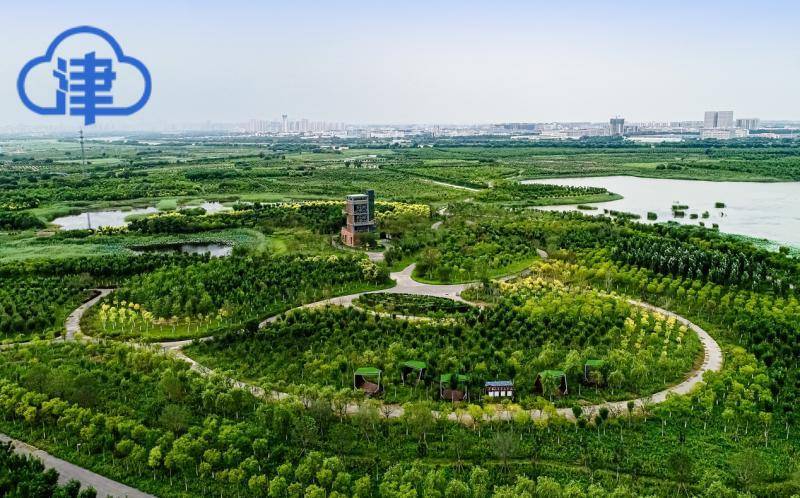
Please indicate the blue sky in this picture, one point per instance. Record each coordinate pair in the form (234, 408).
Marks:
(434, 62)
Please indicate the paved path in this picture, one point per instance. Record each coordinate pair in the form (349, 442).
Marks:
(374, 256)
(442, 212)
(67, 471)
(404, 284)
(73, 324)
(451, 185)
(712, 360)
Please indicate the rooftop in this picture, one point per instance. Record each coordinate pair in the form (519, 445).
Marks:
(368, 371)
(445, 378)
(499, 383)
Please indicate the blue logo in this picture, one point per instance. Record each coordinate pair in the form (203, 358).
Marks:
(82, 85)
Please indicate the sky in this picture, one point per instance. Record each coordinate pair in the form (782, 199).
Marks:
(431, 61)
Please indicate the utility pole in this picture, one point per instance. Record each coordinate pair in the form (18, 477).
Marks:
(83, 161)
(83, 151)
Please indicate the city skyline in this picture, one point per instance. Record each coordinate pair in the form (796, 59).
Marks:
(289, 124)
(460, 63)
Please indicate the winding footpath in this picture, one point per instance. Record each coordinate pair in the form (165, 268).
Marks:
(73, 323)
(405, 284)
(66, 470)
(451, 185)
(712, 359)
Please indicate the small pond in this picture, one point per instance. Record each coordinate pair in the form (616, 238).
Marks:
(116, 217)
(214, 249)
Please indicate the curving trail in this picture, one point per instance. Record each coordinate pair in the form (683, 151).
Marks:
(451, 185)
(73, 323)
(66, 470)
(712, 361)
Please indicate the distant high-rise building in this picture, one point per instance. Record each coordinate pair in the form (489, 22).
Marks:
(617, 126)
(725, 119)
(748, 123)
(718, 119)
(285, 127)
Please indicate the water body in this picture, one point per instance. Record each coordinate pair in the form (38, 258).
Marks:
(215, 250)
(116, 218)
(763, 210)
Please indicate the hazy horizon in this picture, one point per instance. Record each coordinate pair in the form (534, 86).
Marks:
(415, 63)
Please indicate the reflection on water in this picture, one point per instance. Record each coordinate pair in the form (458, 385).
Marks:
(764, 210)
(215, 250)
(116, 218)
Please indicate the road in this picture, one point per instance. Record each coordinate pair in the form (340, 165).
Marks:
(67, 471)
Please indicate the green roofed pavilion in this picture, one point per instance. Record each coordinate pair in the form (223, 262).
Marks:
(453, 391)
(592, 366)
(369, 371)
(415, 365)
(368, 379)
(553, 374)
(413, 370)
(445, 378)
(558, 378)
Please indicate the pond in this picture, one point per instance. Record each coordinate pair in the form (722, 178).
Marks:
(214, 249)
(763, 210)
(116, 218)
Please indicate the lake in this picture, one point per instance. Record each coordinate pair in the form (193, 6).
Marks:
(116, 218)
(763, 210)
(214, 249)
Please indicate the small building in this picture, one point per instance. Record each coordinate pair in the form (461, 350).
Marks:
(589, 367)
(412, 371)
(499, 389)
(359, 212)
(368, 379)
(554, 378)
(454, 387)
